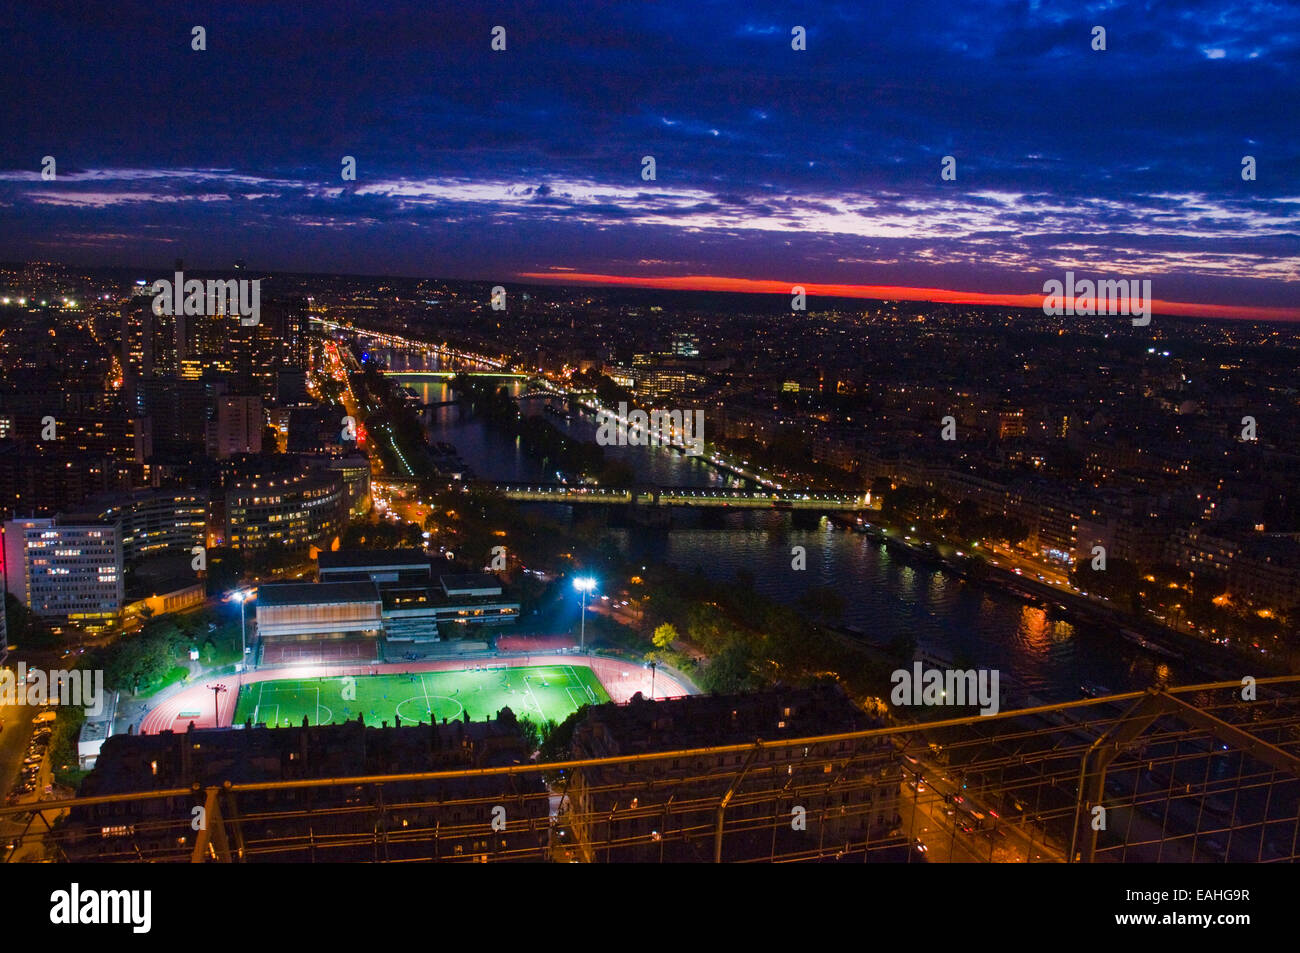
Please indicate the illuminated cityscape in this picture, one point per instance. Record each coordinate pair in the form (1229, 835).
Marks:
(656, 461)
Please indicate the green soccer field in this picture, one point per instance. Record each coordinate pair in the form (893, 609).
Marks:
(540, 692)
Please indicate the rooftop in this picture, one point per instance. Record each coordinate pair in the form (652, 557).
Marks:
(470, 581)
(315, 593)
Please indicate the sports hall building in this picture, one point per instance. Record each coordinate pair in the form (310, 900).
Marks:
(369, 605)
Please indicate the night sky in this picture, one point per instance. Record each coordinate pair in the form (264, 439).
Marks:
(818, 167)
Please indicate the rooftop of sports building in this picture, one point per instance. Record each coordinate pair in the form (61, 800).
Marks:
(315, 593)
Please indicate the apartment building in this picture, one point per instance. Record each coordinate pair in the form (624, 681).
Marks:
(66, 569)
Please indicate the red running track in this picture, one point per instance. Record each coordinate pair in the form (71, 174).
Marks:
(621, 679)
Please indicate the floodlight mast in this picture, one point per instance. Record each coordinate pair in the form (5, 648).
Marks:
(584, 585)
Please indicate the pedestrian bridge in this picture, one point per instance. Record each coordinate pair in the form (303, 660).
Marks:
(678, 496)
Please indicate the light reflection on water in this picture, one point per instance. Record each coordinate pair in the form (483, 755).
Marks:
(884, 596)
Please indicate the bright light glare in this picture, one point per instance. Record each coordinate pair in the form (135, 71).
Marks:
(584, 584)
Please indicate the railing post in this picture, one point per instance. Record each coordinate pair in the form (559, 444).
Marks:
(212, 835)
(726, 799)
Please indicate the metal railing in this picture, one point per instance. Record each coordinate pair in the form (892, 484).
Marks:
(1203, 773)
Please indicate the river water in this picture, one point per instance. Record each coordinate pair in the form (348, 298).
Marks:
(883, 595)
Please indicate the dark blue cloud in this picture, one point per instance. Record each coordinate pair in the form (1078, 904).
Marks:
(825, 162)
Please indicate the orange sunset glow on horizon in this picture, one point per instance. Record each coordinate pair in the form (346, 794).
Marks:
(888, 292)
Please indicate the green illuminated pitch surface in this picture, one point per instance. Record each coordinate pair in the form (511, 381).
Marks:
(539, 692)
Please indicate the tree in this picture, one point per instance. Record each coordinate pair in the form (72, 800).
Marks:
(968, 520)
(907, 503)
(1119, 581)
(665, 635)
(731, 670)
(610, 393)
(531, 733)
(555, 746)
(708, 627)
(17, 618)
(1008, 530)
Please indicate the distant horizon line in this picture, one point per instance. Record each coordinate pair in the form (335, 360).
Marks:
(721, 284)
(1032, 300)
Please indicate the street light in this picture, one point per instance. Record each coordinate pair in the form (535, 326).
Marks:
(584, 584)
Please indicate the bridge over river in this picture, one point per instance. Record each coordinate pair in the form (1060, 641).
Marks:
(647, 495)
(424, 377)
(680, 496)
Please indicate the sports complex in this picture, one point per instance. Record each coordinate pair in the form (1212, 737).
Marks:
(539, 687)
(317, 647)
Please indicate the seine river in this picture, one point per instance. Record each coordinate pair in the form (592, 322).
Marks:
(883, 595)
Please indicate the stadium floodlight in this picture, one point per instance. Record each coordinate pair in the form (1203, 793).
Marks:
(584, 585)
(241, 596)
